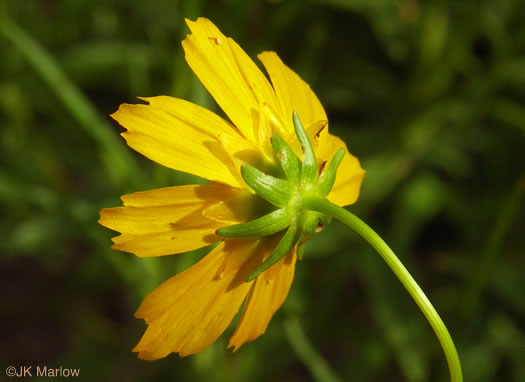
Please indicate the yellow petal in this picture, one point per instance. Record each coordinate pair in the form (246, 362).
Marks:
(240, 208)
(190, 195)
(317, 132)
(169, 220)
(295, 94)
(167, 243)
(292, 92)
(266, 296)
(230, 76)
(239, 151)
(349, 175)
(188, 312)
(178, 135)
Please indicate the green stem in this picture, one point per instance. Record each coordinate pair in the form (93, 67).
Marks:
(352, 221)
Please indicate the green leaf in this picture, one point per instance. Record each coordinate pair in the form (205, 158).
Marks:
(274, 190)
(265, 225)
(327, 178)
(289, 239)
(290, 164)
(309, 168)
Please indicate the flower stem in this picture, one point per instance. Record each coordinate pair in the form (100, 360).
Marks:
(352, 221)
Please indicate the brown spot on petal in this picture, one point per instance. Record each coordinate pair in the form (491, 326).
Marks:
(325, 123)
(216, 40)
(321, 167)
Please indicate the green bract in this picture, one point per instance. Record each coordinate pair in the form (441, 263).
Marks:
(302, 180)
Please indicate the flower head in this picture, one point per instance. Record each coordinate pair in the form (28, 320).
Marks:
(254, 172)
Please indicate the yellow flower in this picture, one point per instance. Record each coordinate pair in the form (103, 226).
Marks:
(188, 312)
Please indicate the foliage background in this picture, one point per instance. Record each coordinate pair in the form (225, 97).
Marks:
(429, 95)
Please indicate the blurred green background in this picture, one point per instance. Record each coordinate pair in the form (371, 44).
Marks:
(429, 95)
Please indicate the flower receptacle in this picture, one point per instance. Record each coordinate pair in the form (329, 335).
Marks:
(302, 179)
